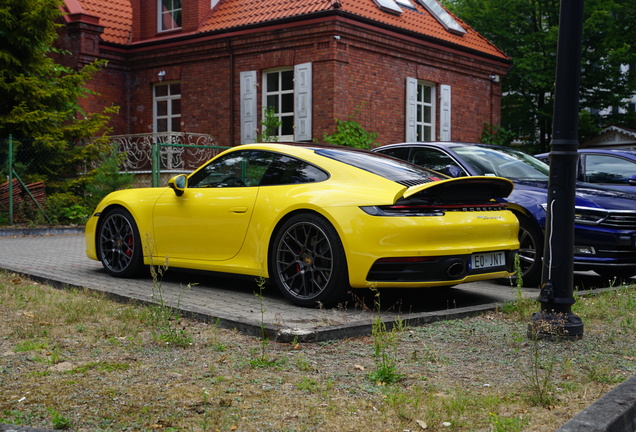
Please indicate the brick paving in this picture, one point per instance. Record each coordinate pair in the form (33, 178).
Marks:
(61, 260)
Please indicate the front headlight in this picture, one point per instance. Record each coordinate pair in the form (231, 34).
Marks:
(586, 215)
(589, 216)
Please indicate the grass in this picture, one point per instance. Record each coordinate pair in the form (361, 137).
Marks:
(74, 359)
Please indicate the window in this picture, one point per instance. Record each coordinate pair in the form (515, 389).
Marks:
(432, 159)
(429, 158)
(420, 110)
(608, 169)
(288, 91)
(169, 15)
(389, 6)
(444, 18)
(278, 94)
(167, 107)
(389, 168)
(405, 3)
(255, 168)
(425, 114)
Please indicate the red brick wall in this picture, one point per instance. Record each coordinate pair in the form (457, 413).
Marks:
(365, 70)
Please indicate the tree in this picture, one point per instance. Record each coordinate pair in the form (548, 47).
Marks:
(527, 30)
(39, 97)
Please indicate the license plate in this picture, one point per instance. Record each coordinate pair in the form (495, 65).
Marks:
(487, 260)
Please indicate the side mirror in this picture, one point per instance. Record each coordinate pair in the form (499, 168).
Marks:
(632, 180)
(452, 171)
(178, 184)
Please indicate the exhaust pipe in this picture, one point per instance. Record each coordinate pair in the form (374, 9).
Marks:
(455, 270)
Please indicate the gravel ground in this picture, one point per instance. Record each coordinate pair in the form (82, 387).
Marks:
(78, 361)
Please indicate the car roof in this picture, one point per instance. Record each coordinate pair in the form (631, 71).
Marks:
(631, 153)
(447, 144)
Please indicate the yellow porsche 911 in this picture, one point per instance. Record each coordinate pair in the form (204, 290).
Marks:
(314, 220)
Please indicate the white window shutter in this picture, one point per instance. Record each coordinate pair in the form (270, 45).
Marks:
(411, 109)
(302, 102)
(249, 119)
(445, 112)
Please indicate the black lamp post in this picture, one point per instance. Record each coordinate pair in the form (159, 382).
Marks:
(556, 297)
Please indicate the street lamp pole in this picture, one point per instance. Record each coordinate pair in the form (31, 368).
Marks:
(556, 297)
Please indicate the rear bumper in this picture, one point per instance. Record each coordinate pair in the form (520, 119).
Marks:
(443, 270)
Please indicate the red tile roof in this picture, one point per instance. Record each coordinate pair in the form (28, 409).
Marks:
(116, 17)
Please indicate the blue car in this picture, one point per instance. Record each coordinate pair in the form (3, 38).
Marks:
(614, 169)
(605, 224)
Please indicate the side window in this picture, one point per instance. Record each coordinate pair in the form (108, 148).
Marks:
(236, 169)
(432, 159)
(608, 169)
(288, 170)
(255, 168)
(399, 152)
(168, 15)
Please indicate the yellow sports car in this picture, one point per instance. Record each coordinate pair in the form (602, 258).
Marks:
(314, 220)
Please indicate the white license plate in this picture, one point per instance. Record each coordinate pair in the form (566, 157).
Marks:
(487, 260)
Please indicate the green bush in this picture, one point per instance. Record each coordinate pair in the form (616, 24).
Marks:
(66, 208)
(350, 133)
(107, 178)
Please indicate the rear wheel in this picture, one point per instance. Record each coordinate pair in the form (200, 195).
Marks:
(119, 245)
(308, 263)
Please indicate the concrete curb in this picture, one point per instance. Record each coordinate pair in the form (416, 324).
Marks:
(13, 428)
(22, 232)
(613, 412)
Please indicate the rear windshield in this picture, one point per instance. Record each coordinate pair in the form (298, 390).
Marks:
(392, 169)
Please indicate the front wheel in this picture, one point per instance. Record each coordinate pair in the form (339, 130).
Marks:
(308, 263)
(118, 244)
(530, 252)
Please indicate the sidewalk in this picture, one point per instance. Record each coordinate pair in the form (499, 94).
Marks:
(61, 261)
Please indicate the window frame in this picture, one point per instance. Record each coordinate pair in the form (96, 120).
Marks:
(593, 161)
(170, 14)
(280, 93)
(170, 116)
(419, 122)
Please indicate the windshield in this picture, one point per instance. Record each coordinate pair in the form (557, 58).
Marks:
(503, 162)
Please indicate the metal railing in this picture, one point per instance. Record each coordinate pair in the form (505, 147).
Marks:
(175, 152)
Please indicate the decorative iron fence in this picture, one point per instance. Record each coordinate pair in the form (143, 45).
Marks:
(167, 152)
(33, 193)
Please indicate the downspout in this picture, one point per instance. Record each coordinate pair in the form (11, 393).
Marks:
(232, 116)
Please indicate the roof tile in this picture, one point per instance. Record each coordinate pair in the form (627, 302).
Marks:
(116, 17)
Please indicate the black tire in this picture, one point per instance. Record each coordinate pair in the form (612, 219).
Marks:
(308, 263)
(530, 252)
(119, 245)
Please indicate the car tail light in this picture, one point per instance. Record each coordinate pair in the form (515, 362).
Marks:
(429, 210)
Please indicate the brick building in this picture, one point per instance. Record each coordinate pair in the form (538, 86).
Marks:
(408, 68)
